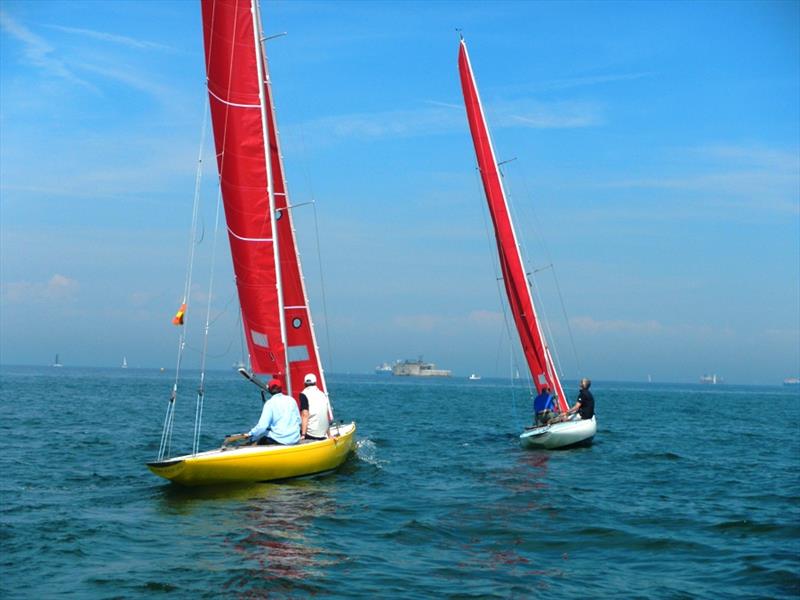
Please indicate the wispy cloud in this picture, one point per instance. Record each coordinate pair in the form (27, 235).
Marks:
(131, 79)
(731, 175)
(38, 52)
(647, 328)
(574, 82)
(57, 288)
(590, 325)
(110, 37)
(442, 118)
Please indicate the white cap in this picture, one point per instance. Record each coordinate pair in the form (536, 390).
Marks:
(310, 379)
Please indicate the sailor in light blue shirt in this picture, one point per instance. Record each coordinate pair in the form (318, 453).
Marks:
(280, 419)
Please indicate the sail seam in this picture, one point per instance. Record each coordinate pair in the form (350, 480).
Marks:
(248, 239)
(236, 104)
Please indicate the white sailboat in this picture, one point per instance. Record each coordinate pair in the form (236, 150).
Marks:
(520, 300)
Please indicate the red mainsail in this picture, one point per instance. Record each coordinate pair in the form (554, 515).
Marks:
(515, 280)
(275, 314)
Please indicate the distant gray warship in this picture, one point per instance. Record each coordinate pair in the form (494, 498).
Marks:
(418, 368)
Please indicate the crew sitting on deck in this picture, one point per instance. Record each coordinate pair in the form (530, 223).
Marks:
(543, 406)
(584, 406)
(315, 411)
(279, 422)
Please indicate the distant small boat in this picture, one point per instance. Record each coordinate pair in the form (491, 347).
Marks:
(124, 362)
(383, 369)
(791, 381)
(712, 379)
(474, 377)
(56, 362)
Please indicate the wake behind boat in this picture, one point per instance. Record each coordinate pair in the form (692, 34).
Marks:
(275, 312)
(514, 277)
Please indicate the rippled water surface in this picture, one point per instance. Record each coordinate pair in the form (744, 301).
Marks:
(681, 495)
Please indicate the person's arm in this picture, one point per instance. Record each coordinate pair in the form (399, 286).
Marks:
(303, 415)
(263, 423)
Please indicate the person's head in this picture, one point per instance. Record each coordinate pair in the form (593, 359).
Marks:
(586, 383)
(274, 386)
(310, 379)
(545, 389)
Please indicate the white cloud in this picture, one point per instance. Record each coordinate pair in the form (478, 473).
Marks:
(441, 118)
(38, 52)
(58, 288)
(110, 37)
(590, 325)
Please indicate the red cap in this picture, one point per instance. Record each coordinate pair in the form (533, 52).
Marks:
(274, 383)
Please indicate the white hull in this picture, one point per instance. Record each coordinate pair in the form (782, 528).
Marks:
(560, 435)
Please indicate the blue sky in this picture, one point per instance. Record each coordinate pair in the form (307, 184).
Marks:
(657, 167)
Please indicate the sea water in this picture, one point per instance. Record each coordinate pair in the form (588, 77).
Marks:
(687, 492)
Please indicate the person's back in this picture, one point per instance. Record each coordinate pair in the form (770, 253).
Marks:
(285, 426)
(542, 402)
(319, 412)
(543, 407)
(586, 411)
(280, 419)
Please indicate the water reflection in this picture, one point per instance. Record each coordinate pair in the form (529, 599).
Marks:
(268, 535)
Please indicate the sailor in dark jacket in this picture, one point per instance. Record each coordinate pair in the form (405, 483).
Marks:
(584, 406)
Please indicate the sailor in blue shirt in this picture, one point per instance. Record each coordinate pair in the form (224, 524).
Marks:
(543, 406)
(280, 419)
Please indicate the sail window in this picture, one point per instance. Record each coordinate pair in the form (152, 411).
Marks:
(297, 322)
(259, 339)
(278, 214)
(298, 353)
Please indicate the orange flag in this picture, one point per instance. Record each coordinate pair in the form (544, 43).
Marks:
(178, 318)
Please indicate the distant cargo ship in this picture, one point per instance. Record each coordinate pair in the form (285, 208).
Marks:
(383, 369)
(791, 381)
(418, 368)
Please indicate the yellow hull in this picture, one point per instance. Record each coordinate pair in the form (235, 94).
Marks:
(259, 463)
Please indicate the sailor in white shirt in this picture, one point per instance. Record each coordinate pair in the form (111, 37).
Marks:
(315, 411)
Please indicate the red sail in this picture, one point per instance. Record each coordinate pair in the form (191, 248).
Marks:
(231, 33)
(536, 352)
(302, 346)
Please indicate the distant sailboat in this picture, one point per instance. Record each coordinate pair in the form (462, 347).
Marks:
(515, 280)
(124, 362)
(56, 362)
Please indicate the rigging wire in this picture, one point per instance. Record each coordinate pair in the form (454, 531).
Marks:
(165, 445)
(546, 251)
(198, 418)
(501, 295)
(310, 185)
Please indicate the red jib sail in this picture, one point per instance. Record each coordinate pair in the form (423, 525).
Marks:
(275, 315)
(515, 280)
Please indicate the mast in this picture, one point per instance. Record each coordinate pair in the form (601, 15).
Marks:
(260, 60)
(515, 281)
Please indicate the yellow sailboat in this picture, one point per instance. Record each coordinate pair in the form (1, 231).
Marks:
(260, 463)
(274, 307)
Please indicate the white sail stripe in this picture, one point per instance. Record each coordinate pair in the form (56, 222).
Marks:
(247, 239)
(234, 103)
(288, 307)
